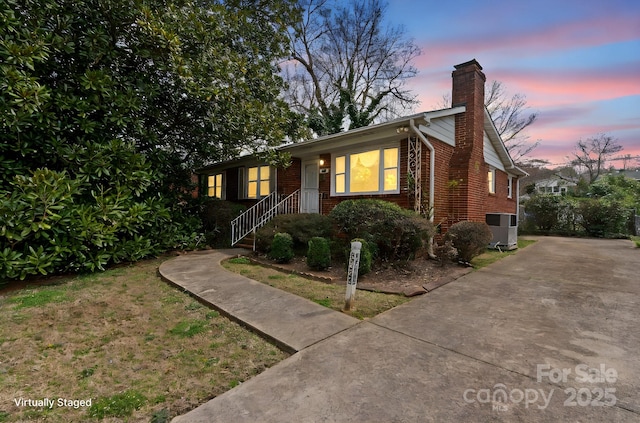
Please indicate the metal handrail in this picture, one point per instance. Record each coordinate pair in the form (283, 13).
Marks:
(246, 223)
(262, 212)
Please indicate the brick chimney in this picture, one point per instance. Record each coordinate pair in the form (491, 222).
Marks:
(467, 168)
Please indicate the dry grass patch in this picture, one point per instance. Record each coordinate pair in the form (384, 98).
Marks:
(367, 304)
(135, 346)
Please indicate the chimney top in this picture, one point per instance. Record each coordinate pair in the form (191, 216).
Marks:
(469, 63)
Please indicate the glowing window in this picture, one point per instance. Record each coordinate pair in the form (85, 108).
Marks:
(341, 172)
(367, 172)
(258, 184)
(491, 179)
(364, 172)
(214, 186)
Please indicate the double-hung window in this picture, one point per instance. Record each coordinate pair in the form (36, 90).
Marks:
(366, 172)
(258, 184)
(214, 186)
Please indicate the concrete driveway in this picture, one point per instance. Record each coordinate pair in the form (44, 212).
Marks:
(549, 334)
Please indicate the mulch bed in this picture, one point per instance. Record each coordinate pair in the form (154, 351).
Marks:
(412, 278)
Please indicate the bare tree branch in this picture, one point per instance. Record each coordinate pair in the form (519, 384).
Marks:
(357, 64)
(510, 117)
(593, 153)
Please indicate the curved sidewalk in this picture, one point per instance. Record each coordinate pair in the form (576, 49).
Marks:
(292, 322)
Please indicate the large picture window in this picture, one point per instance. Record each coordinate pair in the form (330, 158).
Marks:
(258, 181)
(367, 172)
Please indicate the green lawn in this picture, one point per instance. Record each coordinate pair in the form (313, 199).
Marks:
(136, 347)
(491, 256)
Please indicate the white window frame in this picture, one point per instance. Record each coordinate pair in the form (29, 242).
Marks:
(258, 181)
(510, 186)
(347, 173)
(491, 181)
(215, 185)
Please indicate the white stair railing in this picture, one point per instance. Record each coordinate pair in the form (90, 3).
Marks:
(290, 205)
(262, 212)
(246, 223)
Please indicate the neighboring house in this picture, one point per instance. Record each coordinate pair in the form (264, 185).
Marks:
(451, 160)
(555, 185)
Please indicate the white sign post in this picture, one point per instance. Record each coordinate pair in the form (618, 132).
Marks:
(352, 274)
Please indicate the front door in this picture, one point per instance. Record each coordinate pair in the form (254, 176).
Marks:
(309, 199)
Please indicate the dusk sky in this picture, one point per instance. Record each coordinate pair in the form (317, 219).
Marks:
(576, 61)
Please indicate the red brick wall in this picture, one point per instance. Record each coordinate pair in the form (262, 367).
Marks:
(498, 202)
(442, 155)
(289, 179)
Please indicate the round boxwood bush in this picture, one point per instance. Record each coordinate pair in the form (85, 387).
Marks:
(281, 248)
(469, 238)
(319, 253)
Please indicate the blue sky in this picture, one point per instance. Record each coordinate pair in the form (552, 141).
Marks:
(576, 61)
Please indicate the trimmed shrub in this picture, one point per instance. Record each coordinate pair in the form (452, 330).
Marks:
(396, 233)
(319, 253)
(281, 248)
(469, 238)
(302, 227)
(216, 221)
(366, 256)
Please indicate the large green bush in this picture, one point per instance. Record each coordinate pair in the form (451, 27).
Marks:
(319, 253)
(216, 221)
(602, 218)
(105, 107)
(53, 222)
(606, 211)
(397, 233)
(302, 227)
(281, 248)
(469, 238)
(545, 210)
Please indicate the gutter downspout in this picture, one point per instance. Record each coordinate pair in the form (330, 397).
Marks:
(432, 164)
(518, 202)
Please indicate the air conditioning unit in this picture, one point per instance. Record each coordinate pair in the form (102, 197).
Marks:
(504, 227)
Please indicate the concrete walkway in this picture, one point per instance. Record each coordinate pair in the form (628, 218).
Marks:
(291, 322)
(549, 334)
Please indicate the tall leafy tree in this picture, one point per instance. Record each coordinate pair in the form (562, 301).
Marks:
(186, 81)
(349, 67)
(107, 105)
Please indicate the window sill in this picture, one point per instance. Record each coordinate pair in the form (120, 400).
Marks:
(364, 194)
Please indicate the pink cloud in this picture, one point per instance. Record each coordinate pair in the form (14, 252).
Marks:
(556, 87)
(598, 31)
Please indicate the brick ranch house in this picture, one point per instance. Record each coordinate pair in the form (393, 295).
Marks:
(452, 161)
